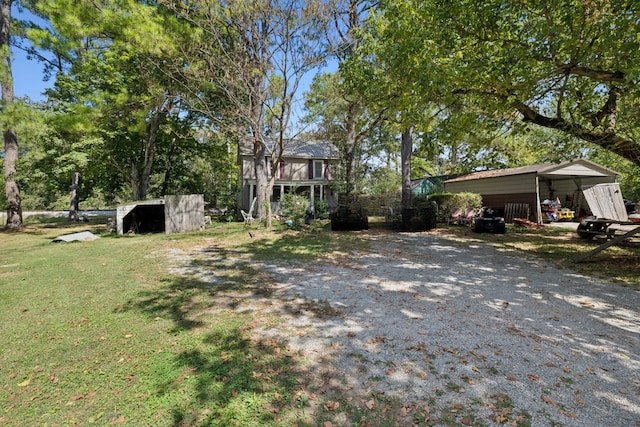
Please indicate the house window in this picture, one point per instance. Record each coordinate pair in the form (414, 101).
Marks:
(318, 169)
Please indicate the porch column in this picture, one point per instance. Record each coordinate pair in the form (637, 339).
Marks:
(250, 196)
(313, 196)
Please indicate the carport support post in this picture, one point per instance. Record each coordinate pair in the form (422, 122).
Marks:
(538, 203)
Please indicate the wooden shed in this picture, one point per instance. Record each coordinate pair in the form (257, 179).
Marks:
(528, 186)
(170, 214)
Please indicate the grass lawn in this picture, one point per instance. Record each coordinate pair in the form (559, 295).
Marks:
(561, 246)
(102, 332)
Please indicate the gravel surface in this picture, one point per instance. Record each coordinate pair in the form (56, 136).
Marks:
(454, 326)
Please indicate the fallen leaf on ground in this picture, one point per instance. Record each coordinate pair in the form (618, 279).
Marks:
(569, 414)
(24, 383)
(548, 400)
(332, 406)
(501, 419)
(370, 404)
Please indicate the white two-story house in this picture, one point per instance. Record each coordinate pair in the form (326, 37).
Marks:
(305, 168)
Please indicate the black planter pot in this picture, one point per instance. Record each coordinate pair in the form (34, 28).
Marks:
(347, 218)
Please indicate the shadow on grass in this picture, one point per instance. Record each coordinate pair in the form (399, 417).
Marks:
(221, 374)
(237, 380)
(620, 262)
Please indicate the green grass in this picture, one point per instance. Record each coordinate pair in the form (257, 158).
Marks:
(101, 332)
(560, 246)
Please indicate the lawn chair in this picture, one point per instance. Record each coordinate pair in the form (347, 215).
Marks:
(455, 217)
(248, 216)
(469, 216)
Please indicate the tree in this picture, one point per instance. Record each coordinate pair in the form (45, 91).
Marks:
(572, 66)
(110, 79)
(253, 55)
(346, 105)
(12, 191)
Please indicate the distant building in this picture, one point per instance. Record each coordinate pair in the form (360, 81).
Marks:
(306, 168)
(532, 185)
(423, 187)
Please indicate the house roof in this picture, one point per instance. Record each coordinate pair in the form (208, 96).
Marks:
(579, 167)
(300, 149)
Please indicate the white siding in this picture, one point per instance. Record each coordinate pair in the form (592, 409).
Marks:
(513, 184)
(247, 168)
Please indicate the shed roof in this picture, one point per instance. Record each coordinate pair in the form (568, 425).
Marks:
(299, 148)
(573, 168)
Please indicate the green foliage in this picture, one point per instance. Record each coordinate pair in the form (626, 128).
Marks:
(321, 209)
(629, 173)
(447, 202)
(382, 181)
(519, 61)
(293, 207)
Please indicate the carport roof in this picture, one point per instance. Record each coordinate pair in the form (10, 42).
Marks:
(573, 168)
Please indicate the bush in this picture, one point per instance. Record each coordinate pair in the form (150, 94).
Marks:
(447, 202)
(293, 207)
(321, 209)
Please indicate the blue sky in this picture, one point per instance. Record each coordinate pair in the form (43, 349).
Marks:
(27, 73)
(27, 77)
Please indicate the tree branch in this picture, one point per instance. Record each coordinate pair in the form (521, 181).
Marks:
(606, 139)
(600, 75)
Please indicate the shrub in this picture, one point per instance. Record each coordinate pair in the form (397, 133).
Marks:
(321, 209)
(294, 207)
(447, 202)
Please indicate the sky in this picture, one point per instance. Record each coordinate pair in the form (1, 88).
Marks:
(27, 73)
(28, 77)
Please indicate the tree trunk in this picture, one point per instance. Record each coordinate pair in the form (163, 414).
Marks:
(169, 168)
(350, 158)
(75, 196)
(406, 150)
(12, 191)
(607, 139)
(259, 163)
(140, 178)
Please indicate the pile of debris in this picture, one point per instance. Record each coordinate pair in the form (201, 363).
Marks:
(521, 222)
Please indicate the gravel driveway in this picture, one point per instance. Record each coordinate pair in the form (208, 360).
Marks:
(465, 331)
